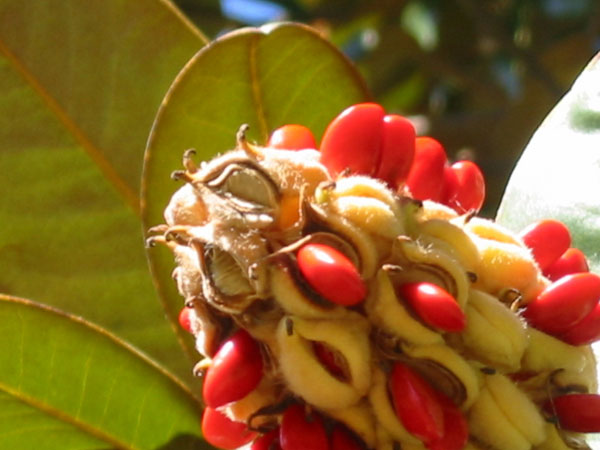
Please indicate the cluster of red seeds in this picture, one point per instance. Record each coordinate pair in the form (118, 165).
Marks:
(364, 140)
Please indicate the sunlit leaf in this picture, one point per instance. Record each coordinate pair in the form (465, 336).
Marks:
(263, 77)
(80, 83)
(67, 384)
(558, 175)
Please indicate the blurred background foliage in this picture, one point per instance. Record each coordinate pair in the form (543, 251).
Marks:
(479, 75)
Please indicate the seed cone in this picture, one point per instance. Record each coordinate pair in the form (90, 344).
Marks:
(236, 227)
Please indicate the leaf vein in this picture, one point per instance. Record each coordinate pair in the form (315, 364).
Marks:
(129, 196)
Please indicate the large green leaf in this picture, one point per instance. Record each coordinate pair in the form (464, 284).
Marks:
(81, 82)
(558, 175)
(267, 77)
(67, 384)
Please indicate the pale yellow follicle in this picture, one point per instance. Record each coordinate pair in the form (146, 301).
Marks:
(522, 413)
(384, 411)
(505, 265)
(547, 353)
(488, 424)
(389, 314)
(494, 333)
(457, 367)
(369, 214)
(305, 374)
(364, 186)
(360, 419)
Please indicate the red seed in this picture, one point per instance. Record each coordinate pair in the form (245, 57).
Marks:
(564, 303)
(586, 331)
(416, 404)
(576, 412)
(397, 150)
(435, 306)
(331, 274)
(571, 261)
(301, 432)
(235, 371)
(456, 429)
(547, 239)
(184, 319)
(222, 432)
(342, 439)
(426, 176)
(468, 192)
(353, 140)
(292, 137)
(449, 185)
(328, 359)
(268, 441)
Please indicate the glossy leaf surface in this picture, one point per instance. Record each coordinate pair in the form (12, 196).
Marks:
(81, 83)
(69, 384)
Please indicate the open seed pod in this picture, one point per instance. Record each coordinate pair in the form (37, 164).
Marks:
(326, 362)
(319, 271)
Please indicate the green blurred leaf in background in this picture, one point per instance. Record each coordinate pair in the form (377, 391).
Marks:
(66, 383)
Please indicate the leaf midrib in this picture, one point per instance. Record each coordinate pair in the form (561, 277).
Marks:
(60, 415)
(130, 198)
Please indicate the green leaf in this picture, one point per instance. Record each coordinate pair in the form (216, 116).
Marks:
(68, 384)
(81, 83)
(267, 77)
(558, 175)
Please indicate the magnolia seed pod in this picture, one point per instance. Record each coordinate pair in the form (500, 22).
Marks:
(265, 394)
(462, 247)
(434, 210)
(294, 171)
(390, 315)
(489, 424)
(384, 410)
(521, 412)
(369, 214)
(506, 265)
(554, 440)
(294, 296)
(547, 353)
(358, 418)
(445, 369)
(494, 334)
(306, 374)
(488, 229)
(363, 186)
(362, 242)
(418, 263)
(186, 208)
